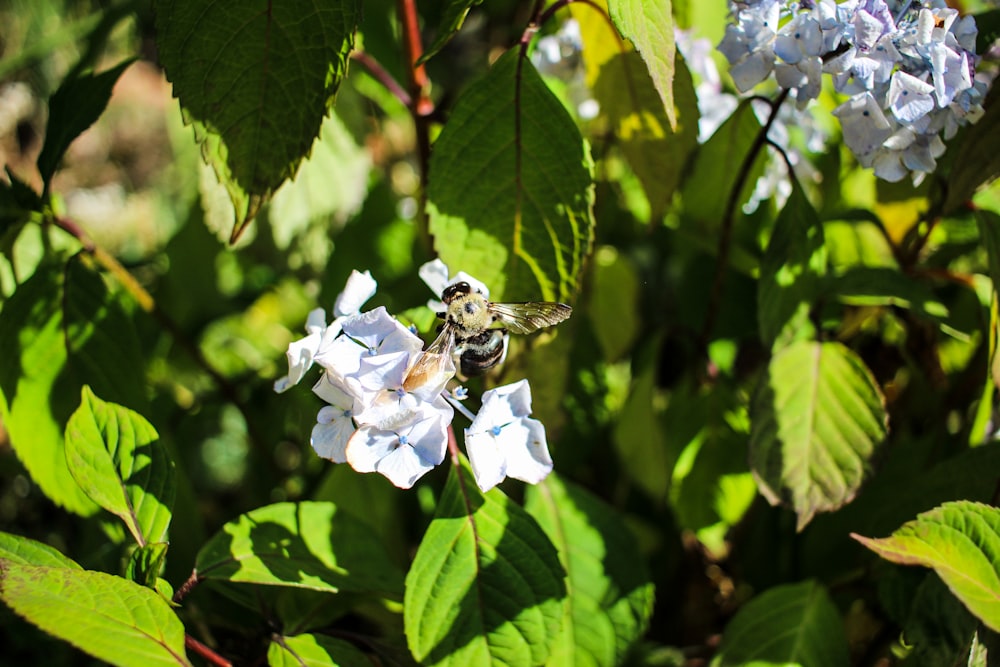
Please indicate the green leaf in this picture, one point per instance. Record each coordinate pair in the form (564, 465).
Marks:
(708, 187)
(936, 625)
(25, 551)
(306, 545)
(330, 184)
(961, 541)
(791, 272)
(17, 202)
(115, 456)
(989, 231)
(146, 563)
(485, 586)
(613, 306)
(650, 27)
(875, 286)
(793, 624)
(74, 107)
(314, 651)
(609, 595)
(256, 83)
(452, 17)
(522, 221)
(641, 441)
(978, 158)
(712, 487)
(59, 327)
(656, 153)
(108, 617)
(818, 417)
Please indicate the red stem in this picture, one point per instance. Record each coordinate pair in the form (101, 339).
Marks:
(205, 652)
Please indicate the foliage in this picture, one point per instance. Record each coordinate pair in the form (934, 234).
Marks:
(767, 434)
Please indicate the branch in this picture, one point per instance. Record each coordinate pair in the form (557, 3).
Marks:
(421, 106)
(383, 77)
(205, 652)
(186, 587)
(728, 218)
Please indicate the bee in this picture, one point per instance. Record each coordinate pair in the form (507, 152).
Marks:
(469, 334)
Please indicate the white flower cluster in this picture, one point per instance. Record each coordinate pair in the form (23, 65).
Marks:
(381, 418)
(908, 66)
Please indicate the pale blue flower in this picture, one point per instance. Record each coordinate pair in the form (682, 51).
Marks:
(503, 441)
(302, 353)
(402, 454)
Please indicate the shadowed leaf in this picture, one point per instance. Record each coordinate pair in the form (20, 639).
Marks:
(255, 81)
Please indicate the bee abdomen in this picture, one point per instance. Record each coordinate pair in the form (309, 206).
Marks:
(483, 351)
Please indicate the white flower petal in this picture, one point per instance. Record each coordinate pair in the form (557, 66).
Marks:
(334, 392)
(404, 466)
(331, 434)
(368, 446)
(359, 288)
(435, 275)
(527, 451)
(316, 321)
(300, 357)
(489, 465)
(909, 98)
(429, 435)
(341, 358)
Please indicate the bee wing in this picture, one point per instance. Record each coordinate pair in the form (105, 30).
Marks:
(433, 361)
(524, 318)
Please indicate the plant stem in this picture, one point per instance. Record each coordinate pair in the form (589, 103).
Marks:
(383, 77)
(421, 106)
(728, 219)
(205, 652)
(186, 587)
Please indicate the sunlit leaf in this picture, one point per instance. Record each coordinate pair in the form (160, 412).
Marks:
(712, 487)
(331, 184)
(609, 596)
(649, 25)
(306, 545)
(791, 272)
(961, 541)
(872, 286)
(60, 329)
(145, 563)
(452, 17)
(520, 220)
(793, 624)
(256, 83)
(656, 152)
(485, 586)
(74, 107)
(25, 551)
(110, 618)
(115, 456)
(989, 230)
(818, 417)
(314, 651)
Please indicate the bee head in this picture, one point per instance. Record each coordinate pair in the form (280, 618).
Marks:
(452, 292)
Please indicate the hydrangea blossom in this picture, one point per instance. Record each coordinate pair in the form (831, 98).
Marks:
(301, 354)
(909, 69)
(504, 442)
(380, 417)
